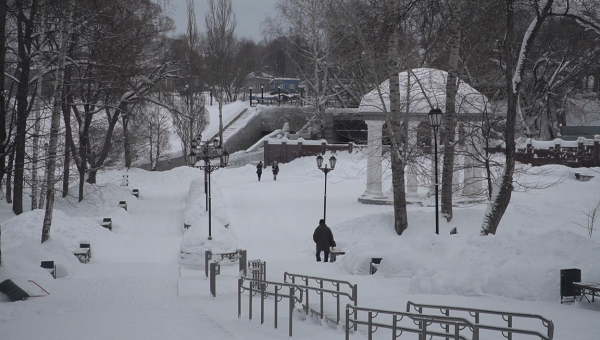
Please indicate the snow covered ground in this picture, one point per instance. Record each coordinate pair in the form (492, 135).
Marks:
(135, 286)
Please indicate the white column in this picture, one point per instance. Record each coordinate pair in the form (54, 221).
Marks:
(412, 184)
(374, 158)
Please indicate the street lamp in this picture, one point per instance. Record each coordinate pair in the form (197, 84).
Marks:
(207, 148)
(326, 170)
(435, 119)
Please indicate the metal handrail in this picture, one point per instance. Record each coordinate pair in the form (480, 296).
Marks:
(317, 279)
(353, 296)
(422, 320)
(506, 316)
(263, 284)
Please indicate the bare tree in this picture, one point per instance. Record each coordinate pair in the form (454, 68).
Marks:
(220, 40)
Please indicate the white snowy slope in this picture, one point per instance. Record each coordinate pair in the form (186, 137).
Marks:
(135, 286)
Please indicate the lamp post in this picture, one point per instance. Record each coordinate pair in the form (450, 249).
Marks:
(262, 94)
(326, 170)
(205, 150)
(435, 119)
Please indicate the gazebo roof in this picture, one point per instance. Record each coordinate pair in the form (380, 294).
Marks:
(427, 91)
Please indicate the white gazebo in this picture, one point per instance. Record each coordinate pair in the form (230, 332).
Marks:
(421, 90)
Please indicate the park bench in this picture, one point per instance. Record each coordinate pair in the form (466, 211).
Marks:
(50, 267)
(123, 204)
(136, 193)
(374, 265)
(583, 178)
(83, 253)
(107, 223)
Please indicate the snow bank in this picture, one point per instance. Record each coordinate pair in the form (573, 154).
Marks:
(519, 265)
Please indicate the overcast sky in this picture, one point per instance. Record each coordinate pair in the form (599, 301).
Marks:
(249, 15)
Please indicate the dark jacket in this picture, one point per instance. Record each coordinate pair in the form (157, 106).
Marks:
(275, 169)
(259, 168)
(323, 237)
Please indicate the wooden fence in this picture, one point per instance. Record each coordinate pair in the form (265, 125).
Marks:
(574, 154)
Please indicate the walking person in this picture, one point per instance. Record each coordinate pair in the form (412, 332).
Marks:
(275, 169)
(323, 237)
(259, 168)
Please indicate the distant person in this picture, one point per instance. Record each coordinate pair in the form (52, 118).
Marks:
(259, 168)
(275, 169)
(323, 237)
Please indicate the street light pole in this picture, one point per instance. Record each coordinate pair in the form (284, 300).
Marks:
(207, 147)
(435, 119)
(325, 170)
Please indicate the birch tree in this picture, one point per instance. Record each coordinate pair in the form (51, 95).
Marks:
(65, 33)
(220, 28)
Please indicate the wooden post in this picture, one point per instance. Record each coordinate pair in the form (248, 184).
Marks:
(530, 153)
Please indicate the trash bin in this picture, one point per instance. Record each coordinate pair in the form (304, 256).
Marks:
(14, 292)
(567, 277)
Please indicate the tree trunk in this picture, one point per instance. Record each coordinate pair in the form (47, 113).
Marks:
(2, 100)
(399, 191)
(55, 125)
(66, 168)
(25, 25)
(450, 117)
(126, 141)
(9, 175)
(513, 73)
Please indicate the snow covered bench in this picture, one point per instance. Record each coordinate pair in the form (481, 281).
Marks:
(374, 265)
(83, 253)
(50, 267)
(136, 193)
(107, 223)
(123, 204)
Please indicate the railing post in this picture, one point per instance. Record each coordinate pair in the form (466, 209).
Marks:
(276, 298)
(337, 299)
(321, 299)
(240, 282)
(243, 265)
(262, 303)
(347, 327)
(509, 321)
(250, 301)
(370, 326)
(580, 150)
(207, 257)
(291, 311)
(214, 271)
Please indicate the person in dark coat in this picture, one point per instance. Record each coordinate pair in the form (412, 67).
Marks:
(275, 169)
(259, 168)
(323, 237)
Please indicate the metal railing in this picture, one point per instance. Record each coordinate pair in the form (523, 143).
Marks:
(237, 255)
(420, 320)
(352, 295)
(509, 317)
(263, 284)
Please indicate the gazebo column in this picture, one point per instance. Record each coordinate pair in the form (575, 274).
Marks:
(473, 179)
(412, 184)
(374, 158)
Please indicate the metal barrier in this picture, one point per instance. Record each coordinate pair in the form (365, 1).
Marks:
(215, 269)
(258, 269)
(421, 320)
(507, 332)
(264, 294)
(320, 280)
(237, 255)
